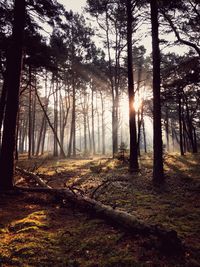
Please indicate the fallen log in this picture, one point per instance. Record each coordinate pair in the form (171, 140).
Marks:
(168, 241)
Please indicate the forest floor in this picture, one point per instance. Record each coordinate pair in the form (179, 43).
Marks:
(37, 230)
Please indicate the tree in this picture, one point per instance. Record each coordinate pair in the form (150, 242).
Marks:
(184, 23)
(158, 173)
(13, 74)
(131, 93)
(180, 80)
(110, 18)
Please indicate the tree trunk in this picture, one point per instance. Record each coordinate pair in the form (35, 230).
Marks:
(190, 127)
(158, 173)
(144, 136)
(50, 125)
(93, 137)
(140, 121)
(195, 149)
(13, 85)
(43, 137)
(55, 143)
(33, 123)
(30, 116)
(40, 136)
(173, 138)
(2, 104)
(114, 127)
(167, 127)
(133, 165)
(180, 123)
(103, 125)
(89, 134)
(17, 138)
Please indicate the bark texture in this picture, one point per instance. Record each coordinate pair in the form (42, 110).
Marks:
(13, 74)
(158, 174)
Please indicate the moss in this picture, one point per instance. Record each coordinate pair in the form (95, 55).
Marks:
(31, 222)
(28, 229)
(3, 230)
(118, 261)
(74, 240)
(19, 226)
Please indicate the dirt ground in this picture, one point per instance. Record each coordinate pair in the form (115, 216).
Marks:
(38, 230)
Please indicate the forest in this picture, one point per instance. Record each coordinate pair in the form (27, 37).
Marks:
(100, 133)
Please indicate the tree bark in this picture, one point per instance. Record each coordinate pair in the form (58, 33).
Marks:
(133, 165)
(55, 150)
(30, 115)
(167, 126)
(93, 136)
(13, 85)
(103, 125)
(3, 104)
(180, 123)
(158, 173)
(144, 136)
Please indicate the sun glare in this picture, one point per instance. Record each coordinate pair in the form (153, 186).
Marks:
(139, 99)
(137, 103)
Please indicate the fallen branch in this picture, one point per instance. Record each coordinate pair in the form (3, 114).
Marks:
(34, 176)
(169, 242)
(103, 185)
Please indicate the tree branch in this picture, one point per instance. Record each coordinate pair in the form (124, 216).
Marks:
(188, 43)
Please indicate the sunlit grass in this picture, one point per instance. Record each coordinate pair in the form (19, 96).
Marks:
(175, 205)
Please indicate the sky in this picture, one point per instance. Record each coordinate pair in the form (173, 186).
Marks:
(78, 5)
(75, 5)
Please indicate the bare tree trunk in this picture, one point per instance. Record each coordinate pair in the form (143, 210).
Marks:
(93, 137)
(2, 104)
(195, 150)
(17, 138)
(30, 116)
(89, 133)
(74, 119)
(103, 125)
(158, 172)
(72, 141)
(144, 137)
(167, 127)
(40, 136)
(190, 127)
(50, 125)
(13, 85)
(173, 142)
(113, 92)
(180, 123)
(85, 133)
(33, 123)
(43, 137)
(133, 164)
(98, 127)
(55, 150)
(140, 121)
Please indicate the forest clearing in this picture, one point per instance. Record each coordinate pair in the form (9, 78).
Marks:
(99, 133)
(36, 226)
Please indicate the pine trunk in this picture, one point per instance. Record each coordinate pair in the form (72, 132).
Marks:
(14, 66)
(158, 173)
(133, 165)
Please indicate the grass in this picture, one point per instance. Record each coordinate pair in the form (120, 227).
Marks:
(32, 223)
